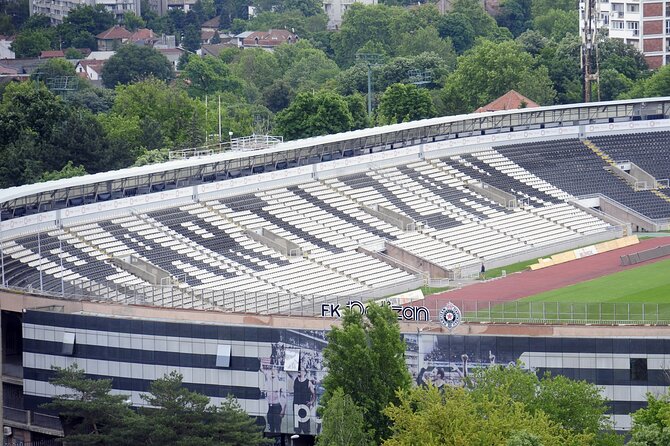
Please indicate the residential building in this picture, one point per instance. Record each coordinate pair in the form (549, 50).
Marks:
(335, 10)
(52, 54)
(113, 38)
(90, 69)
(161, 7)
(645, 24)
(5, 47)
(265, 39)
(57, 10)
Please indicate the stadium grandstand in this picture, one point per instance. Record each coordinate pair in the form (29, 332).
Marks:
(286, 229)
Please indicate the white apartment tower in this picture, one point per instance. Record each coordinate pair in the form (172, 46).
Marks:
(642, 23)
(57, 10)
(335, 10)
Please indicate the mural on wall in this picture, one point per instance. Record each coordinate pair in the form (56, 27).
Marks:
(291, 392)
(292, 382)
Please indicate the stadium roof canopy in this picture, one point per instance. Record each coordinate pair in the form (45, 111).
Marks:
(18, 201)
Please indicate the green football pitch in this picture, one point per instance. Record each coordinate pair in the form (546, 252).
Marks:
(638, 295)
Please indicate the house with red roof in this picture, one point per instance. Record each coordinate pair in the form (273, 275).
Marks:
(113, 38)
(90, 69)
(511, 100)
(52, 54)
(267, 39)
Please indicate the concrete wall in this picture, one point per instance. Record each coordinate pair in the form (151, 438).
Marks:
(428, 267)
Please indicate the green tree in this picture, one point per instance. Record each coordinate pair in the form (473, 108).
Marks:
(132, 22)
(311, 71)
(562, 61)
(37, 21)
(53, 68)
(430, 417)
(68, 171)
(94, 99)
(31, 43)
(577, 407)
(366, 358)
(90, 413)
(427, 40)
(124, 135)
(490, 70)
(358, 109)
(257, 66)
(651, 425)
(191, 40)
(208, 75)
(457, 27)
(541, 7)
(626, 59)
(515, 15)
(405, 102)
(165, 114)
(656, 85)
(314, 114)
(178, 416)
(132, 63)
(556, 24)
(613, 84)
(532, 42)
(343, 423)
(363, 24)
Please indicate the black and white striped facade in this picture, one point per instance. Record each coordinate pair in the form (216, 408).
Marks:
(136, 351)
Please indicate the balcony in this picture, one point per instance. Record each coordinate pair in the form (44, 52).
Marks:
(32, 421)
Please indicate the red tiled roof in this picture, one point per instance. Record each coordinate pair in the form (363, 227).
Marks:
(95, 65)
(212, 23)
(511, 100)
(51, 54)
(114, 33)
(274, 37)
(206, 35)
(8, 70)
(142, 34)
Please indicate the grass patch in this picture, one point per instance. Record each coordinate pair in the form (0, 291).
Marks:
(640, 294)
(509, 269)
(428, 291)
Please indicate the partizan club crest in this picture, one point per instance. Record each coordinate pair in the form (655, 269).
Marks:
(450, 316)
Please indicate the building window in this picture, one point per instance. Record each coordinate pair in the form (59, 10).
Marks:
(638, 369)
(291, 360)
(616, 24)
(667, 26)
(632, 7)
(634, 26)
(68, 343)
(223, 356)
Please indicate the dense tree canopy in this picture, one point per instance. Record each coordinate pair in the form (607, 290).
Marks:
(405, 102)
(313, 114)
(492, 69)
(132, 63)
(176, 416)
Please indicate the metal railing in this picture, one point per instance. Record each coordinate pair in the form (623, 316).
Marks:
(492, 311)
(31, 418)
(519, 311)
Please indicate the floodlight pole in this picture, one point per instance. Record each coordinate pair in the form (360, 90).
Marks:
(370, 60)
(369, 90)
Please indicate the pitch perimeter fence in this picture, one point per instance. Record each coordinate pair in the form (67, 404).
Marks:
(330, 306)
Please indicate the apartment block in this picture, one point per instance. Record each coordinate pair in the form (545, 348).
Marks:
(644, 24)
(57, 10)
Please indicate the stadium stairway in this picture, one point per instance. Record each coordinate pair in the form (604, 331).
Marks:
(608, 159)
(595, 149)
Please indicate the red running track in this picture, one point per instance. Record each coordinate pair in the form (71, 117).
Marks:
(527, 283)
